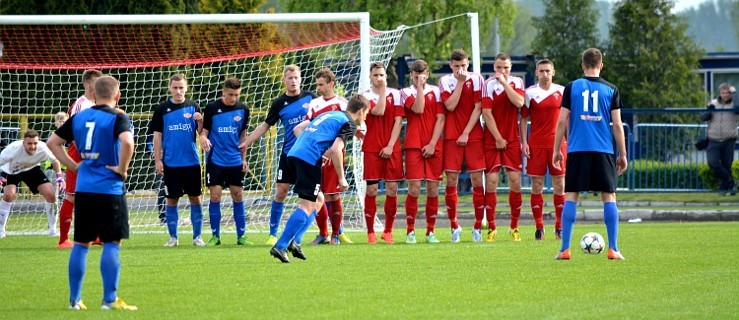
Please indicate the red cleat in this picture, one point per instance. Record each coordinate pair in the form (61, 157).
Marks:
(371, 238)
(65, 245)
(563, 255)
(387, 237)
(97, 242)
(615, 255)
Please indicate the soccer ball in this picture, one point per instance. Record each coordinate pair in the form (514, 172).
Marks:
(592, 243)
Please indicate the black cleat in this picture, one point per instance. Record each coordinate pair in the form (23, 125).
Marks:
(296, 250)
(539, 234)
(558, 234)
(279, 254)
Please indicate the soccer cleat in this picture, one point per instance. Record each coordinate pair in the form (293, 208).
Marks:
(431, 238)
(615, 255)
(296, 250)
(279, 254)
(77, 305)
(242, 241)
(65, 245)
(2, 234)
(118, 304)
(214, 241)
(97, 242)
(557, 234)
(319, 240)
(371, 238)
(492, 235)
(563, 255)
(515, 234)
(344, 238)
(335, 239)
(271, 240)
(411, 237)
(198, 242)
(172, 242)
(456, 233)
(539, 234)
(387, 237)
(476, 235)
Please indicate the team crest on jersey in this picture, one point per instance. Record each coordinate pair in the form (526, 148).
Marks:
(468, 84)
(389, 99)
(306, 106)
(430, 95)
(187, 115)
(237, 118)
(556, 95)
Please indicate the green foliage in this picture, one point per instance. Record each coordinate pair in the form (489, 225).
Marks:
(710, 23)
(650, 58)
(710, 180)
(651, 174)
(565, 31)
(433, 42)
(380, 281)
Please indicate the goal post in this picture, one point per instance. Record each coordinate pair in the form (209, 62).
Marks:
(43, 58)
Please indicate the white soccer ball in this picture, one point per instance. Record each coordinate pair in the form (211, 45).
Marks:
(592, 243)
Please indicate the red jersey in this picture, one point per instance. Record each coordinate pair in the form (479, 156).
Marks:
(504, 112)
(320, 105)
(420, 127)
(471, 93)
(380, 128)
(543, 108)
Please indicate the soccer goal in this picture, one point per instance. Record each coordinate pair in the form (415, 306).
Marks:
(43, 57)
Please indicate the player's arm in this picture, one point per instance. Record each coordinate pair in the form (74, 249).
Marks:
(429, 149)
(513, 95)
(557, 156)
(125, 153)
(337, 158)
(394, 135)
(258, 132)
(298, 130)
(618, 135)
(523, 128)
(379, 108)
(490, 124)
(451, 102)
(6, 156)
(207, 125)
(420, 103)
(157, 142)
(57, 141)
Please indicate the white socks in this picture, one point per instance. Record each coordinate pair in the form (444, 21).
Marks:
(4, 215)
(52, 216)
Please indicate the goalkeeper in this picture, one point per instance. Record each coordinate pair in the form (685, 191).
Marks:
(21, 161)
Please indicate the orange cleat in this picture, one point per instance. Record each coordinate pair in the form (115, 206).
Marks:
(371, 238)
(387, 237)
(563, 255)
(65, 245)
(615, 255)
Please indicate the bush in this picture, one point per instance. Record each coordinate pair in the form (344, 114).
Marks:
(652, 174)
(707, 174)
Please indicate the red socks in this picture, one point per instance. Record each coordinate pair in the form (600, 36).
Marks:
(451, 200)
(336, 216)
(65, 220)
(537, 209)
(559, 204)
(514, 200)
(491, 200)
(391, 209)
(478, 200)
(322, 221)
(411, 210)
(370, 210)
(432, 208)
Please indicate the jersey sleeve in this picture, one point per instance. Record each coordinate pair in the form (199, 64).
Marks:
(122, 124)
(480, 89)
(208, 118)
(398, 107)
(566, 97)
(245, 124)
(616, 102)
(157, 120)
(347, 131)
(487, 95)
(407, 99)
(8, 154)
(65, 131)
(273, 115)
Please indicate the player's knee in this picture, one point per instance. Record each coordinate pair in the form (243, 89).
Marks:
(8, 196)
(195, 201)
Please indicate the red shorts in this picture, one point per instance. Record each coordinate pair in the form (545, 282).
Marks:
(329, 179)
(420, 168)
(510, 158)
(472, 154)
(541, 159)
(379, 168)
(71, 176)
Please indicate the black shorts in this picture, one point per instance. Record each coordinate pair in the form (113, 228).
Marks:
(216, 175)
(179, 181)
(100, 215)
(591, 171)
(308, 182)
(33, 178)
(284, 174)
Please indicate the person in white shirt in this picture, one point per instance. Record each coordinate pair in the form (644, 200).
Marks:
(20, 162)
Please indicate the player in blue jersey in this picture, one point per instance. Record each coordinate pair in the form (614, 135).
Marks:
(104, 140)
(290, 108)
(176, 157)
(591, 110)
(224, 128)
(325, 134)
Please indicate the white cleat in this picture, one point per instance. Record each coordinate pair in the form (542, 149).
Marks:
(172, 242)
(456, 234)
(198, 242)
(477, 235)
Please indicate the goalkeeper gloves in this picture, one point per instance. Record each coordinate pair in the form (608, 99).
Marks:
(61, 184)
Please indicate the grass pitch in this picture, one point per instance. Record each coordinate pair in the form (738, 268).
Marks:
(673, 270)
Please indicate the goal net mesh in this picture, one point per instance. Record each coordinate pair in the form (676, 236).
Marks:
(40, 75)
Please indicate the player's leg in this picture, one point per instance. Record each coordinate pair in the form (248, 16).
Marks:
(475, 157)
(67, 210)
(47, 191)
(370, 210)
(114, 215)
(453, 156)
(411, 210)
(605, 180)
(192, 187)
(85, 222)
(285, 177)
(514, 202)
(577, 179)
(537, 205)
(214, 181)
(335, 211)
(173, 190)
(161, 198)
(391, 209)
(558, 182)
(235, 183)
(432, 209)
(6, 203)
(491, 201)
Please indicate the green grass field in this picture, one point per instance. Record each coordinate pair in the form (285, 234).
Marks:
(673, 270)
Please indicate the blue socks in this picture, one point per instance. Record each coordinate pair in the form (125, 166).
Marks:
(308, 222)
(292, 227)
(569, 213)
(214, 211)
(610, 217)
(275, 216)
(239, 218)
(76, 271)
(196, 217)
(110, 269)
(172, 220)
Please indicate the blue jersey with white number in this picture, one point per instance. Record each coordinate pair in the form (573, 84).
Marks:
(320, 135)
(291, 111)
(590, 101)
(225, 125)
(95, 132)
(178, 128)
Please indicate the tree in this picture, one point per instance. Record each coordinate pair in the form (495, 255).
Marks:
(567, 28)
(434, 42)
(651, 59)
(711, 25)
